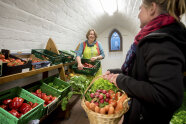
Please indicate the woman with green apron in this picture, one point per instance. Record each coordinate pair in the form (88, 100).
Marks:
(90, 49)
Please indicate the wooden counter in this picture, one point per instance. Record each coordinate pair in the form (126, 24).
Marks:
(16, 76)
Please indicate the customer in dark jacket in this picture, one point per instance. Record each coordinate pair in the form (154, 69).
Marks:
(152, 74)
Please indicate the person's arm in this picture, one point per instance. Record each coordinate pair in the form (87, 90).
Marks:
(101, 56)
(78, 56)
(80, 65)
(164, 87)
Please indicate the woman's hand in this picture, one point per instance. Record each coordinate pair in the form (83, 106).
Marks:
(106, 73)
(80, 66)
(93, 59)
(111, 77)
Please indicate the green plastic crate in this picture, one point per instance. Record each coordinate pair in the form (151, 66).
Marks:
(58, 82)
(67, 56)
(35, 113)
(87, 71)
(49, 91)
(48, 55)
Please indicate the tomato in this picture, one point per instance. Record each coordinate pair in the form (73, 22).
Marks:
(4, 106)
(14, 112)
(7, 101)
(53, 98)
(48, 102)
(30, 103)
(16, 103)
(38, 91)
(46, 98)
(39, 95)
(25, 108)
(34, 105)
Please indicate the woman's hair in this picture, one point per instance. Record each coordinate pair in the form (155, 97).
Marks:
(175, 8)
(88, 33)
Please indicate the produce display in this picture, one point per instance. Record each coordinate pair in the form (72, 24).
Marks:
(60, 87)
(88, 65)
(79, 84)
(17, 106)
(47, 98)
(11, 61)
(104, 98)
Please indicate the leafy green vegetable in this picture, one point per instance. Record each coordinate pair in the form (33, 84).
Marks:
(180, 116)
(64, 103)
(103, 84)
(79, 83)
(65, 100)
(101, 105)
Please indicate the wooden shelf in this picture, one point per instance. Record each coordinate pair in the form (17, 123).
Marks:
(16, 76)
(184, 74)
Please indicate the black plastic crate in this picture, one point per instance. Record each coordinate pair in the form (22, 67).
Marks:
(8, 70)
(67, 57)
(47, 55)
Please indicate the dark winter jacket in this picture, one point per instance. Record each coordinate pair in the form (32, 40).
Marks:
(155, 82)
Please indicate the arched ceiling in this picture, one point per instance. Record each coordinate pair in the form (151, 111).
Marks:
(125, 14)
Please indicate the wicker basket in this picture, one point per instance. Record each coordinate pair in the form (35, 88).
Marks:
(96, 118)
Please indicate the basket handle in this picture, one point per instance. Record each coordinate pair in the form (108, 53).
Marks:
(93, 82)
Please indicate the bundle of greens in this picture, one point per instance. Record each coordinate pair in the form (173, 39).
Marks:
(180, 116)
(79, 84)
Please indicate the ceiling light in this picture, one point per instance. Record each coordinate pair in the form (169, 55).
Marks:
(109, 6)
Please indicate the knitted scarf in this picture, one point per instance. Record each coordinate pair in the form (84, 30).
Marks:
(155, 24)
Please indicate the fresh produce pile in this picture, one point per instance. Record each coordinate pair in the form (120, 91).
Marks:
(11, 61)
(104, 97)
(17, 106)
(60, 88)
(79, 84)
(88, 65)
(47, 98)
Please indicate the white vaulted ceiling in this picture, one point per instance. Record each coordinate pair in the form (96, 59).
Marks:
(125, 14)
(31, 22)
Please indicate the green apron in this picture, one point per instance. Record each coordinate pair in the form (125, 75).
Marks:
(90, 52)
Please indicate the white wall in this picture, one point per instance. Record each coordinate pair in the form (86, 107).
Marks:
(115, 59)
(28, 24)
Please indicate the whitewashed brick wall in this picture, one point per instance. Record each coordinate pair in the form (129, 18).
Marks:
(114, 59)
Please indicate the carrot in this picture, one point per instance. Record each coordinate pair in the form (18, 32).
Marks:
(119, 107)
(87, 103)
(92, 106)
(111, 110)
(97, 109)
(123, 98)
(106, 108)
(102, 111)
